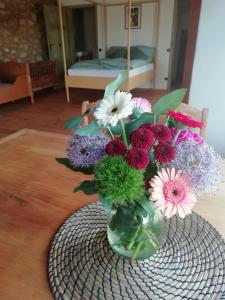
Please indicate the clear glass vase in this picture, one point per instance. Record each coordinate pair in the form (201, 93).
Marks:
(135, 231)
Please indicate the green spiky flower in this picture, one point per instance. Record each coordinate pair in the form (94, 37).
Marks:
(117, 181)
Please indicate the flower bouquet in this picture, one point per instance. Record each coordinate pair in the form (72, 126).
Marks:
(143, 171)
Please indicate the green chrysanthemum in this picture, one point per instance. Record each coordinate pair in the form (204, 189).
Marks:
(117, 181)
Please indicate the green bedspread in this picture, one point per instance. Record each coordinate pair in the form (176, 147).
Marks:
(109, 63)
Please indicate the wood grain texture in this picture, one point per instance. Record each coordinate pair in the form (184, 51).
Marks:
(101, 82)
(36, 197)
(18, 75)
(50, 109)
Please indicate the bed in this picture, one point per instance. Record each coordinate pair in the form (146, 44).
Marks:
(20, 80)
(98, 73)
(15, 82)
(98, 78)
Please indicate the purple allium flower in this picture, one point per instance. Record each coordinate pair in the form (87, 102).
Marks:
(85, 151)
(200, 163)
(185, 135)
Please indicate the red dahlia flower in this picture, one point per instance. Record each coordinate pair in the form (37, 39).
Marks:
(142, 138)
(162, 133)
(185, 119)
(116, 147)
(164, 153)
(138, 158)
(147, 126)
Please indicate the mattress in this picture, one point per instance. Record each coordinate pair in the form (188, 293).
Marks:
(108, 73)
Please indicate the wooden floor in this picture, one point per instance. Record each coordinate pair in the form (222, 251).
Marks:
(50, 109)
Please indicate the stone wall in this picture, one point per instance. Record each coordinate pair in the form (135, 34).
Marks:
(22, 32)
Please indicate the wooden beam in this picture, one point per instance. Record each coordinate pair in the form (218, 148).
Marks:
(128, 40)
(125, 3)
(106, 31)
(63, 45)
(95, 2)
(91, 2)
(157, 39)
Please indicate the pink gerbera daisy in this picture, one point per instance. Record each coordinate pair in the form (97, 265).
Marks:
(172, 194)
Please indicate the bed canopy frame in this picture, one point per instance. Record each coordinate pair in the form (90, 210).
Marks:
(101, 82)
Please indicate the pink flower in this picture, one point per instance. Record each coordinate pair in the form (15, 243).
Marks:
(185, 119)
(171, 193)
(186, 135)
(141, 105)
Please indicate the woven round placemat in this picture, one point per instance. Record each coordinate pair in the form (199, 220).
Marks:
(189, 265)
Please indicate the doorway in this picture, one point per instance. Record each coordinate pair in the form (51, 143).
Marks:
(182, 16)
(85, 25)
(186, 19)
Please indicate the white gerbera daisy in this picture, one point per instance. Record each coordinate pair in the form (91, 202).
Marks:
(114, 108)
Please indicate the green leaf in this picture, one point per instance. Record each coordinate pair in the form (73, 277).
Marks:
(152, 169)
(144, 118)
(113, 86)
(169, 101)
(73, 122)
(65, 161)
(88, 187)
(118, 129)
(91, 129)
(107, 204)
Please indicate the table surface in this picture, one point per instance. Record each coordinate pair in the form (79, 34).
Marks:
(36, 197)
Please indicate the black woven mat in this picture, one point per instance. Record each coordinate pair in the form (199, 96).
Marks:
(190, 264)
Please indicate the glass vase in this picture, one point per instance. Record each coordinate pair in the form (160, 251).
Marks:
(134, 231)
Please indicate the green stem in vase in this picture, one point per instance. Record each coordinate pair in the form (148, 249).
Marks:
(110, 132)
(151, 241)
(123, 132)
(137, 234)
(176, 136)
(141, 243)
(137, 250)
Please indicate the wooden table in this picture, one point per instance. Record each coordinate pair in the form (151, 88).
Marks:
(36, 197)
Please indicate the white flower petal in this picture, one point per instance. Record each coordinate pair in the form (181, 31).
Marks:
(120, 102)
(173, 173)
(164, 174)
(181, 211)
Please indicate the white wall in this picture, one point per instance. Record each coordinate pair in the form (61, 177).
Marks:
(117, 34)
(165, 35)
(208, 78)
(101, 30)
